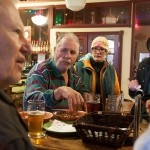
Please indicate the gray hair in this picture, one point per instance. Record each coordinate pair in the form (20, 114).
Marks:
(68, 35)
(15, 1)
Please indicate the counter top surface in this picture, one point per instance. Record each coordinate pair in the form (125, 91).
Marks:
(54, 141)
(72, 143)
(51, 142)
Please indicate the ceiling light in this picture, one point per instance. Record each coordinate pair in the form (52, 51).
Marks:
(75, 5)
(39, 20)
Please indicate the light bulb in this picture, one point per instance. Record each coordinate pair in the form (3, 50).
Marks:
(39, 20)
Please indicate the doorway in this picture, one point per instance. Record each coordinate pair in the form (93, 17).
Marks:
(115, 47)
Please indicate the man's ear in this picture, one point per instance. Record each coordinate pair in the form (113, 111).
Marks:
(54, 49)
(148, 44)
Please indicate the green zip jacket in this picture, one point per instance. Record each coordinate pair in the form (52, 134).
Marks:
(108, 78)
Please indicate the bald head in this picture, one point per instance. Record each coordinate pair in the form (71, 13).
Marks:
(5, 3)
(14, 46)
(8, 11)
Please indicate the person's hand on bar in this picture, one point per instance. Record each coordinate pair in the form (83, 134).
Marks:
(148, 106)
(75, 99)
(134, 85)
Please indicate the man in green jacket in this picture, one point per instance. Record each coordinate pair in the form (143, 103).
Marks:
(96, 73)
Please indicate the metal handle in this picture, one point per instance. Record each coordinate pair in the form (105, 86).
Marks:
(137, 113)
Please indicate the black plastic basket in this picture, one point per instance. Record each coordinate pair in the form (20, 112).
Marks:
(110, 129)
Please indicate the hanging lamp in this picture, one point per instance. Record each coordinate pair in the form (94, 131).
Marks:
(75, 5)
(39, 19)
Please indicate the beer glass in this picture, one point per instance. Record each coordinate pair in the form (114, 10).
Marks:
(36, 111)
(113, 103)
(93, 102)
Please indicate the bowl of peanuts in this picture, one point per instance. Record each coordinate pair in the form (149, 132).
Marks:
(68, 115)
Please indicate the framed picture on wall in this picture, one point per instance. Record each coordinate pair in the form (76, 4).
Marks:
(27, 33)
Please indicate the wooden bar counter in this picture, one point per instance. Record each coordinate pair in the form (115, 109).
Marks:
(72, 143)
(51, 142)
(61, 142)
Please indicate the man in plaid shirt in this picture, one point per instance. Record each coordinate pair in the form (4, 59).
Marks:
(55, 80)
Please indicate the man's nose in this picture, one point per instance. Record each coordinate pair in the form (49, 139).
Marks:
(26, 48)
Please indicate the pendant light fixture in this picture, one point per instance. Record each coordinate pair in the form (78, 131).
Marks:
(75, 5)
(39, 19)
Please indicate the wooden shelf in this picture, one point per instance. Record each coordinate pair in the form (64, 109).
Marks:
(40, 3)
(47, 53)
(93, 15)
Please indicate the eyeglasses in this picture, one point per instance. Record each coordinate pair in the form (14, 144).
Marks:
(95, 49)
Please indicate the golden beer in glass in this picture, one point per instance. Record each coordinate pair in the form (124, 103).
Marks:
(36, 110)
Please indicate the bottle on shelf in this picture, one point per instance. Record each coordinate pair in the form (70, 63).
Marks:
(47, 47)
(33, 45)
(36, 46)
(40, 46)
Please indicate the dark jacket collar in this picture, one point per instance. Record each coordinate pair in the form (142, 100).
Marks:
(4, 97)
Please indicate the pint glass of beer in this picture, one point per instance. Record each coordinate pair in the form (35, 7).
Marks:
(36, 110)
(93, 102)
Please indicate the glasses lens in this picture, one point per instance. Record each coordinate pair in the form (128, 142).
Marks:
(98, 49)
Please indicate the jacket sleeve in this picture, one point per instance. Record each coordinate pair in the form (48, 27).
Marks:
(37, 88)
(78, 67)
(19, 144)
(131, 93)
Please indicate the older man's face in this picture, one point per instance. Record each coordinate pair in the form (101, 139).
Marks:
(66, 54)
(13, 47)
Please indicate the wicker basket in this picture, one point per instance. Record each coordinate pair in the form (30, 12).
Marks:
(110, 129)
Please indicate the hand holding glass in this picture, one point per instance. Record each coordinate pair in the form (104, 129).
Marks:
(36, 111)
